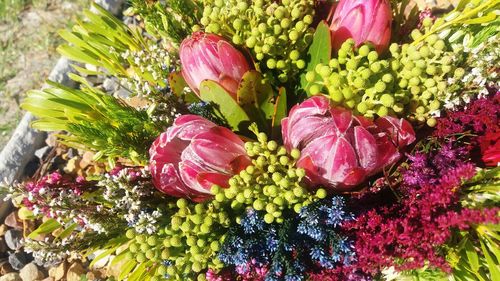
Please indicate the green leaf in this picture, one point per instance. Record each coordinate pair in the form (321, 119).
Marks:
(320, 51)
(484, 19)
(139, 272)
(67, 231)
(126, 269)
(177, 83)
(280, 112)
(119, 258)
(236, 117)
(103, 255)
(493, 267)
(46, 227)
(472, 256)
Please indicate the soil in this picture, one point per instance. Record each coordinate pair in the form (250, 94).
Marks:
(28, 42)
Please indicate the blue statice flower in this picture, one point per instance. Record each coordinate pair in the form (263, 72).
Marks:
(307, 240)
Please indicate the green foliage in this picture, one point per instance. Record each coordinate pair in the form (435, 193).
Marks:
(95, 121)
(319, 52)
(483, 190)
(255, 102)
(467, 13)
(171, 20)
(115, 49)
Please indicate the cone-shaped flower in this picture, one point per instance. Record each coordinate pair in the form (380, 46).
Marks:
(193, 155)
(209, 56)
(340, 150)
(364, 21)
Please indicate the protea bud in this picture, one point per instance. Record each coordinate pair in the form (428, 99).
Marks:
(193, 155)
(209, 56)
(364, 21)
(340, 150)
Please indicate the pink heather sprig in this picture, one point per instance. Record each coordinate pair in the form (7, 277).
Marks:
(408, 234)
(250, 272)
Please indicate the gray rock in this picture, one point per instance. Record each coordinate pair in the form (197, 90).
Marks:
(13, 239)
(110, 85)
(19, 259)
(113, 6)
(42, 152)
(31, 272)
(13, 276)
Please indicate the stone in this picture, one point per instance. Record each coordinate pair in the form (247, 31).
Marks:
(110, 85)
(13, 221)
(75, 271)
(3, 229)
(48, 279)
(42, 152)
(19, 259)
(13, 238)
(59, 272)
(31, 272)
(113, 6)
(3, 248)
(13, 276)
(5, 267)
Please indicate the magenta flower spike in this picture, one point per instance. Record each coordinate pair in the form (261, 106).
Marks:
(364, 21)
(210, 57)
(194, 154)
(340, 150)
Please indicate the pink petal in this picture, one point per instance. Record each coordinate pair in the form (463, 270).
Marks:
(342, 119)
(188, 126)
(366, 147)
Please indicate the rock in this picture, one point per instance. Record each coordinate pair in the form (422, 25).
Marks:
(75, 271)
(42, 152)
(3, 248)
(49, 279)
(13, 238)
(123, 93)
(59, 272)
(110, 85)
(31, 272)
(113, 6)
(12, 220)
(5, 267)
(13, 276)
(19, 259)
(3, 229)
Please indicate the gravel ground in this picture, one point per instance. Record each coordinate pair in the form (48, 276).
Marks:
(28, 41)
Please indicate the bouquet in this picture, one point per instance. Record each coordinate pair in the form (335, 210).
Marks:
(276, 140)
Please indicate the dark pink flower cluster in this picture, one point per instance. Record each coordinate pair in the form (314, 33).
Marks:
(250, 272)
(409, 233)
(481, 118)
(49, 194)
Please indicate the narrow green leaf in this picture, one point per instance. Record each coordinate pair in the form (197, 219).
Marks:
(177, 83)
(46, 227)
(126, 269)
(492, 266)
(236, 117)
(472, 256)
(67, 231)
(103, 255)
(139, 272)
(484, 19)
(119, 258)
(320, 51)
(280, 112)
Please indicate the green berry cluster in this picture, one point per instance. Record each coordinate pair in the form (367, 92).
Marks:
(276, 32)
(186, 245)
(410, 83)
(272, 183)
(191, 233)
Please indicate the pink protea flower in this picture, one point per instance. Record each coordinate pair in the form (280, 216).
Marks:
(193, 155)
(209, 56)
(340, 150)
(364, 21)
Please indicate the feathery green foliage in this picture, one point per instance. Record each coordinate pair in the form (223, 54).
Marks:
(95, 121)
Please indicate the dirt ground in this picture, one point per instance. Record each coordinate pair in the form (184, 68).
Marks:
(28, 41)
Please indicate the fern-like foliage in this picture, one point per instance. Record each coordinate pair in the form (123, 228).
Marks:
(172, 20)
(96, 121)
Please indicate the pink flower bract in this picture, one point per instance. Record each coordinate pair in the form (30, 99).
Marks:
(340, 150)
(193, 155)
(210, 57)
